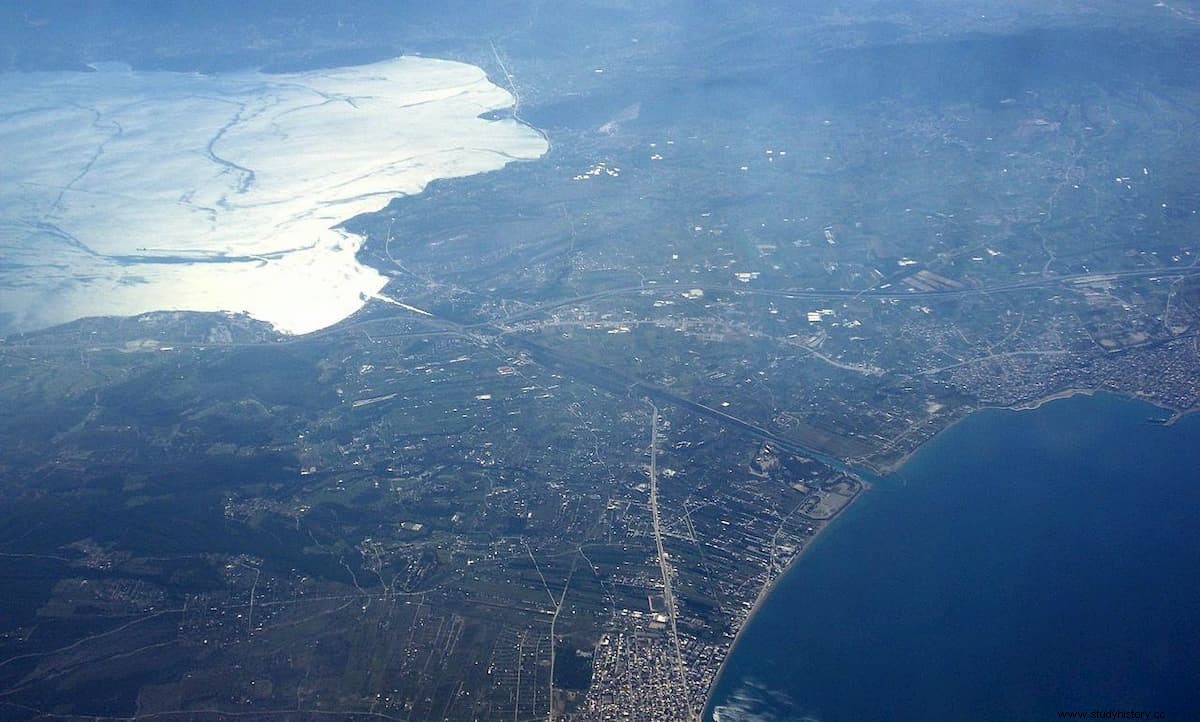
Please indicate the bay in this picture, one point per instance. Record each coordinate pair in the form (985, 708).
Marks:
(1021, 564)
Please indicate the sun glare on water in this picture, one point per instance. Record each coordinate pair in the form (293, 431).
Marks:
(123, 192)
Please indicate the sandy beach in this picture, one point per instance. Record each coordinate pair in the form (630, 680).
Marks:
(893, 468)
(770, 586)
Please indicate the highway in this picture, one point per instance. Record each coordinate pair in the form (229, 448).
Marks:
(828, 293)
(663, 563)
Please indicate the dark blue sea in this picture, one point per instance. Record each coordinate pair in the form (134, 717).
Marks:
(1021, 564)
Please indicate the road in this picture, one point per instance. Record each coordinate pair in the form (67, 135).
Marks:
(829, 293)
(663, 563)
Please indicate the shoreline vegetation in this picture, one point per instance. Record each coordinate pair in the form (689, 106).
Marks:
(894, 468)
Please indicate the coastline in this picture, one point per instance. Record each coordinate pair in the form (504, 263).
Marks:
(1177, 415)
(1040, 401)
(1029, 405)
(895, 467)
(281, 253)
(770, 680)
(766, 590)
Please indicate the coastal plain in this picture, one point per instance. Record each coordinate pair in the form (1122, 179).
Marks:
(605, 397)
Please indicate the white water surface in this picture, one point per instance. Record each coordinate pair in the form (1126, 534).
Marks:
(123, 191)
